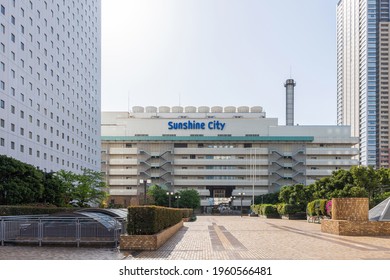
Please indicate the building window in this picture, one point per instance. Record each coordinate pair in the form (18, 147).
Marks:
(2, 9)
(2, 142)
(12, 145)
(2, 104)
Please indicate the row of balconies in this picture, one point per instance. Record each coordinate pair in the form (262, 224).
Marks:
(193, 182)
(217, 172)
(239, 162)
(238, 151)
(220, 151)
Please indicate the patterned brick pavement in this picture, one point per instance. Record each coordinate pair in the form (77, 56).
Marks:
(231, 238)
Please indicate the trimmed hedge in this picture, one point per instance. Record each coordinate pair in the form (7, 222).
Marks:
(147, 220)
(286, 209)
(265, 209)
(317, 207)
(20, 210)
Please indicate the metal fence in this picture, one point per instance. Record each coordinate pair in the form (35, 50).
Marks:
(60, 230)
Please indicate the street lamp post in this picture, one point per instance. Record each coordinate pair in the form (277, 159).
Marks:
(142, 181)
(169, 197)
(241, 194)
(177, 197)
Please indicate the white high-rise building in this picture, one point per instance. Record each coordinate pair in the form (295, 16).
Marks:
(50, 83)
(363, 76)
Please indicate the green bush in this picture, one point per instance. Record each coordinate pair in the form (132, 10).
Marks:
(256, 208)
(151, 219)
(268, 209)
(8, 210)
(316, 207)
(286, 209)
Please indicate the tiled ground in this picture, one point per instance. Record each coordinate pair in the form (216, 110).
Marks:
(232, 238)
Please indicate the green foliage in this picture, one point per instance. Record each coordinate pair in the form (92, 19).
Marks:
(83, 189)
(296, 195)
(189, 199)
(20, 183)
(11, 210)
(269, 198)
(285, 209)
(54, 191)
(317, 207)
(264, 209)
(158, 196)
(151, 219)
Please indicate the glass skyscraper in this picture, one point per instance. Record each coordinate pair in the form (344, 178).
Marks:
(363, 76)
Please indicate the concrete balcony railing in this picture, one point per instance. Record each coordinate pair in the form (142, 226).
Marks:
(123, 192)
(219, 172)
(124, 161)
(123, 182)
(238, 162)
(220, 151)
(332, 151)
(123, 172)
(201, 182)
(122, 151)
(319, 172)
(331, 162)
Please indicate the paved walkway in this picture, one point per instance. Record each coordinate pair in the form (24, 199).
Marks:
(232, 238)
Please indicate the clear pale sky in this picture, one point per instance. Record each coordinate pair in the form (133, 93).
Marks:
(221, 53)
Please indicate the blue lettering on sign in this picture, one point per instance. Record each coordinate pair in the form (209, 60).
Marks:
(193, 125)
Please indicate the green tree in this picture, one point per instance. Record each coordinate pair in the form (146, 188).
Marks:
(54, 191)
(189, 199)
(158, 195)
(296, 195)
(366, 178)
(20, 183)
(84, 189)
(269, 198)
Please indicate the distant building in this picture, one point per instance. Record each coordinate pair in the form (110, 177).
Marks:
(363, 76)
(220, 152)
(50, 83)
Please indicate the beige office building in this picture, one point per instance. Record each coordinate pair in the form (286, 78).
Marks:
(220, 152)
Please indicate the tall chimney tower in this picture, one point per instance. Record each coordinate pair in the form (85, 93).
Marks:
(289, 85)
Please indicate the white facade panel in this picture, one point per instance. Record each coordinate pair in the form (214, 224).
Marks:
(50, 85)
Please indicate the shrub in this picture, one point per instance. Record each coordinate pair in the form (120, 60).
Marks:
(268, 209)
(256, 208)
(32, 210)
(151, 219)
(316, 207)
(285, 209)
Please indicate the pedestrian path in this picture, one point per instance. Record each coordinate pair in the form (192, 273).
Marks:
(231, 238)
(253, 238)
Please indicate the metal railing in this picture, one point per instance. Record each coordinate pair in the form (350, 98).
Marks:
(60, 230)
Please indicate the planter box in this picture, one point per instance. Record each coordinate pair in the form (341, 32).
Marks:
(148, 242)
(295, 216)
(356, 228)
